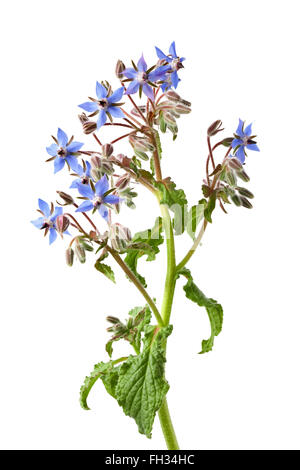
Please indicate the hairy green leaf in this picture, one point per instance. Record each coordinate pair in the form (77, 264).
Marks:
(144, 243)
(106, 270)
(142, 386)
(194, 217)
(210, 206)
(213, 308)
(176, 200)
(89, 381)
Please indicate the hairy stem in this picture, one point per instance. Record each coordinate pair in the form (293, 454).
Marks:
(167, 426)
(137, 284)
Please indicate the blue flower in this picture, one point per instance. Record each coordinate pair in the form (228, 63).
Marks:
(47, 222)
(243, 139)
(175, 63)
(96, 199)
(83, 173)
(104, 104)
(63, 152)
(142, 79)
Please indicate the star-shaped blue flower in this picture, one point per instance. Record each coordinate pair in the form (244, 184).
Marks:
(141, 78)
(97, 199)
(83, 174)
(175, 63)
(104, 104)
(47, 222)
(64, 152)
(243, 139)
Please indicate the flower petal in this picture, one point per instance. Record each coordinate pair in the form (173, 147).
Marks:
(172, 49)
(248, 130)
(175, 79)
(85, 190)
(85, 206)
(72, 162)
(116, 112)
(62, 137)
(111, 199)
(236, 142)
(148, 91)
(161, 55)
(74, 147)
(240, 154)
(141, 65)
(116, 96)
(44, 207)
(101, 186)
(103, 212)
(253, 147)
(101, 91)
(39, 222)
(159, 73)
(75, 183)
(52, 150)
(89, 106)
(52, 235)
(88, 169)
(239, 130)
(133, 88)
(130, 73)
(101, 119)
(57, 211)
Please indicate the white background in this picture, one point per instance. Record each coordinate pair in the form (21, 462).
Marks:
(242, 61)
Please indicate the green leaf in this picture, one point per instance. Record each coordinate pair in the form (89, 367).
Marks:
(210, 206)
(176, 200)
(89, 381)
(141, 385)
(213, 308)
(144, 243)
(194, 217)
(106, 270)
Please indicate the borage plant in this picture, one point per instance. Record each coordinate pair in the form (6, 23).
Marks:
(104, 183)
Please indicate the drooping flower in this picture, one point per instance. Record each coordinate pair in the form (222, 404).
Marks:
(63, 152)
(104, 104)
(175, 63)
(48, 220)
(97, 198)
(243, 139)
(83, 173)
(143, 79)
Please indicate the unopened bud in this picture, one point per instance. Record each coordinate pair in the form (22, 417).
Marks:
(69, 256)
(107, 150)
(80, 252)
(87, 125)
(119, 236)
(246, 203)
(120, 67)
(62, 222)
(96, 162)
(66, 197)
(122, 160)
(243, 176)
(123, 181)
(234, 163)
(101, 166)
(182, 109)
(245, 192)
(141, 144)
(170, 120)
(113, 320)
(173, 96)
(214, 128)
(236, 200)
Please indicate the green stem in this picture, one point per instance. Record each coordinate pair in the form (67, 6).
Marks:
(138, 284)
(190, 253)
(167, 426)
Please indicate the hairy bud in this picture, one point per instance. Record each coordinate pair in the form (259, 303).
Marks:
(245, 192)
(69, 256)
(214, 128)
(107, 150)
(234, 163)
(62, 222)
(246, 203)
(80, 252)
(88, 126)
(120, 67)
(141, 144)
(113, 320)
(66, 197)
(123, 181)
(236, 199)
(243, 176)
(119, 236)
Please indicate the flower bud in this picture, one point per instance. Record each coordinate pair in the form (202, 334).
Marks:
(122, 160)
(246, 203)
(243, 176)
(169, 119)
(87, 125)
(172, 95)
(182, 109)
(62, 222)
(80, 252)
(96, 162)
(141, 144)
(119, 236)
(245, 192)
(120, 67)
(113, 320)
(69, 256)
(236, 199)
(123, 181)
(66, 197)
(234, 163)
(107, 150)
(214, 128)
